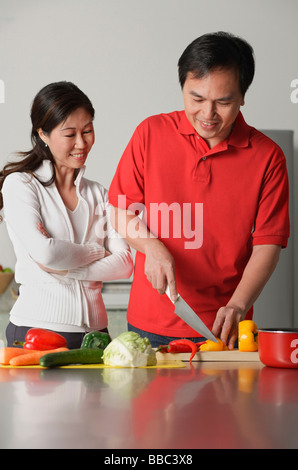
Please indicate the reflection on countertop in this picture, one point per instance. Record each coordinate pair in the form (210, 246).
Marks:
(204, 405)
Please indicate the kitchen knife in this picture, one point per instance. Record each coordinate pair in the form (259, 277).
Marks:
(183, 310)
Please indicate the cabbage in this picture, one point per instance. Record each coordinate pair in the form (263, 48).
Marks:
(129, 350)
(126, 382)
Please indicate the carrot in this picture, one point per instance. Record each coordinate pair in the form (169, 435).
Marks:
(32, 358)
(8, 353)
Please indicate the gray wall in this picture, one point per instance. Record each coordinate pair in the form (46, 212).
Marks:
(123, 54)
(275, 306)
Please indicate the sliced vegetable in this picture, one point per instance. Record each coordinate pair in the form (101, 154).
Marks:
(247, 336)
(32, 358)
(42, 340)
(213, 346)
(6, 354)
(73, 356)
(96, 339)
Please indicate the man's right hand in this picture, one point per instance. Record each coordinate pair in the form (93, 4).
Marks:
(160, 268)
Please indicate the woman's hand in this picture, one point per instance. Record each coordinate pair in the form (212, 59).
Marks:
(43, 230)
(52, 271)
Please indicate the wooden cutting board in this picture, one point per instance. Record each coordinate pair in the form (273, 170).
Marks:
(215, 356)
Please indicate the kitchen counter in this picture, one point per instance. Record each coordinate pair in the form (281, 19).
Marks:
(204, 406)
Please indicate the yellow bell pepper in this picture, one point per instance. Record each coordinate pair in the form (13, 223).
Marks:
(247, 336)
(213, 346)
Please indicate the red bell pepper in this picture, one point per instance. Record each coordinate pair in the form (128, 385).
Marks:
(39, 339)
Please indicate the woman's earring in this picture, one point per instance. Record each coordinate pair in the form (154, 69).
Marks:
(45, 145)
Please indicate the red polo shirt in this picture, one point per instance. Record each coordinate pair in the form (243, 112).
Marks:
(208, 206)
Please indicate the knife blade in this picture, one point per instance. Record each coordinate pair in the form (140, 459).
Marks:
(186, 313)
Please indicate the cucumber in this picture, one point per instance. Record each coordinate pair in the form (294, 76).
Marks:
(73, 356)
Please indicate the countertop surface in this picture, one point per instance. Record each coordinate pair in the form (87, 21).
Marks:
(211, 405)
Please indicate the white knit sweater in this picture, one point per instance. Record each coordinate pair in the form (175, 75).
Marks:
(65, 303)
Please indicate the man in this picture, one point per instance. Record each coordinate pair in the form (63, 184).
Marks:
(215, 197)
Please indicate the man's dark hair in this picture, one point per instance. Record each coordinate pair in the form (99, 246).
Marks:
(216, 51)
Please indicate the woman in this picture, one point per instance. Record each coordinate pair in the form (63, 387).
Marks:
(59, 223)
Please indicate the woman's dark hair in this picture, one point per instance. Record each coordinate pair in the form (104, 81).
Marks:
(51, 106)
(218, 50)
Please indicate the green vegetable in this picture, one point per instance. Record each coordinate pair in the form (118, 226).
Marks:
(96, 339)
(73, 356)
(7, 270)
(129, 350)
(127, 382)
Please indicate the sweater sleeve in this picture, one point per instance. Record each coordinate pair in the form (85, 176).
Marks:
(22, 213)
(118, 265)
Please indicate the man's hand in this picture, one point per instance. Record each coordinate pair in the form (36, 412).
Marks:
(160, 268)
(226, 323)
(258, 270)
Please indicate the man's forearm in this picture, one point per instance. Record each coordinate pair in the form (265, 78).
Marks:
(159, 262)
(132, 229)
(258, 270)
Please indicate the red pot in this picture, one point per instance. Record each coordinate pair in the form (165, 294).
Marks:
(278, 347)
